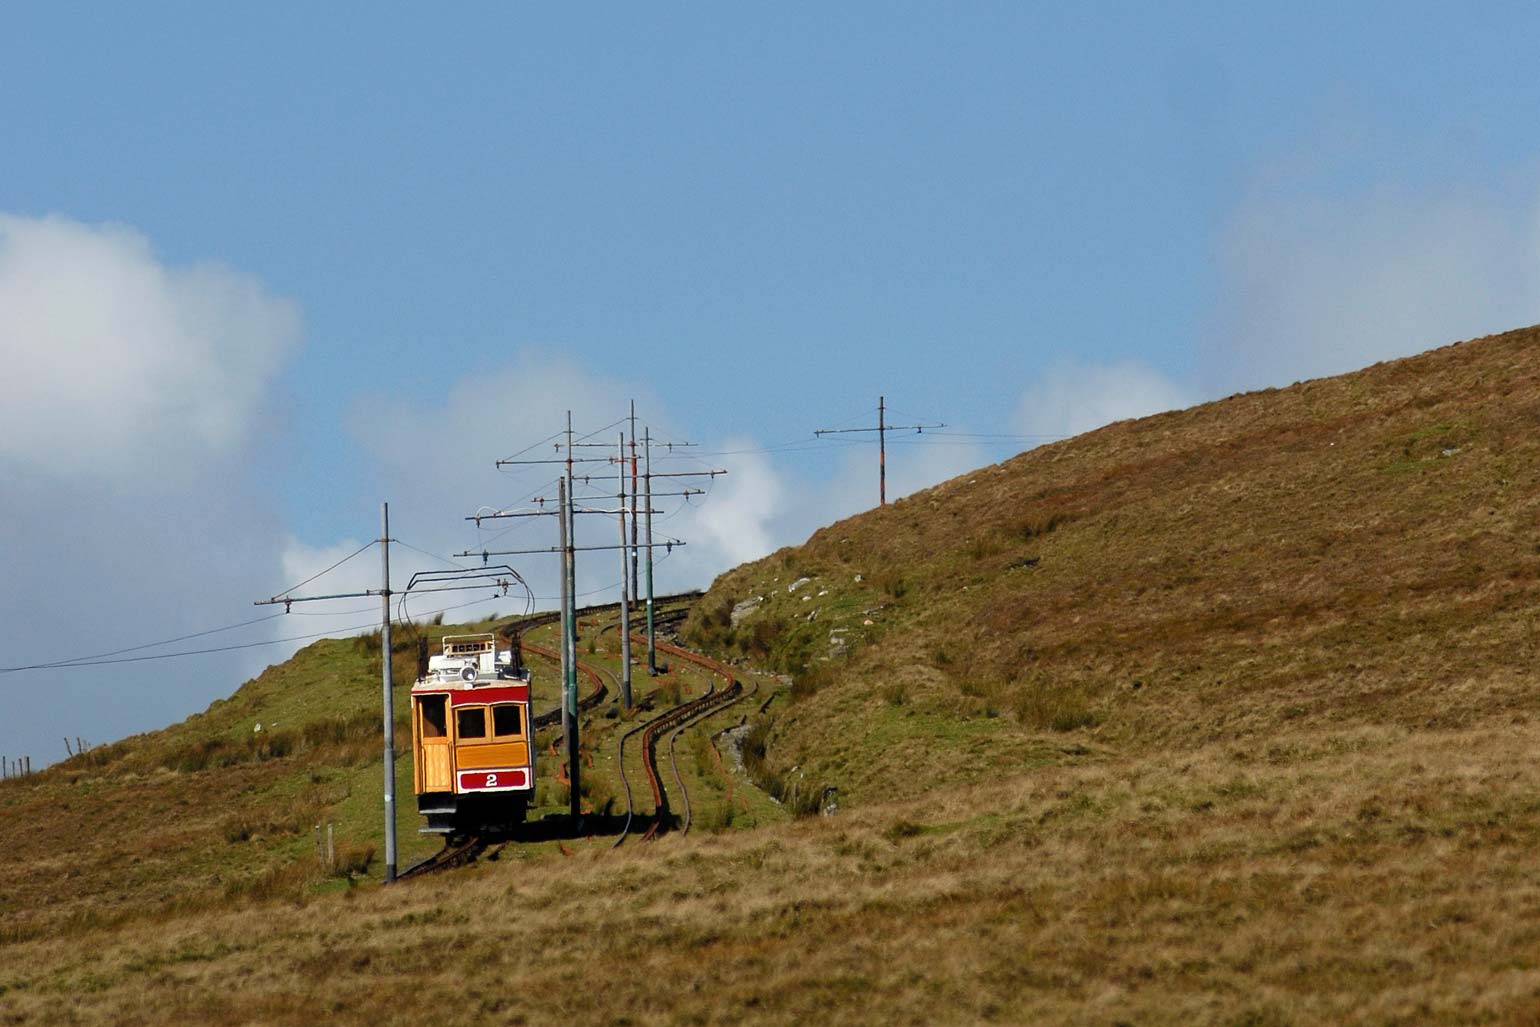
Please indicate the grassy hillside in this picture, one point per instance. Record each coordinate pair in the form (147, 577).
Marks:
(1221, 716)
(223, 808)
(220, 808)
(1351, 552)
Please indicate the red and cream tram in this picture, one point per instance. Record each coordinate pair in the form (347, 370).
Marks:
(472, 748)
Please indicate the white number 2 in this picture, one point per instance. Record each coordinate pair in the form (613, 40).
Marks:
(491, 780)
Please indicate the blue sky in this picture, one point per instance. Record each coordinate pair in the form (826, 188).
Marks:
(401, 241)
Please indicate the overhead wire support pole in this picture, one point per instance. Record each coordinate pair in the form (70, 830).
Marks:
(570, 684)
(625, 587)
(652, 640)
(568, 706)
(634, 582)
(388, 686)
(882, 429)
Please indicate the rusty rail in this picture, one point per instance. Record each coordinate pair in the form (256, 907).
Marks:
(448, 856)
(676, 718)
(733, 694)
(588, 702)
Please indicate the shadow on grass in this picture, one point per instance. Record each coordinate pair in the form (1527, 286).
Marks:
(560, 826)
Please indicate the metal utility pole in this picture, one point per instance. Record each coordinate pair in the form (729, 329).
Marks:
(387, 685)
(882, 430)
(625, 591)
(569, 685)
(390, 704)
(569, 723)
(572, 630)
(635, 583)
(652, 641)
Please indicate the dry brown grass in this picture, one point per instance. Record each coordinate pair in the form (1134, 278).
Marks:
(1220, 717)
(1359, 549)
(1368, 876)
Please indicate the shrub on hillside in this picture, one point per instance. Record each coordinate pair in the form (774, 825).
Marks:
(710, 624)
(353, 860)
(1051, 706)
(798, 796)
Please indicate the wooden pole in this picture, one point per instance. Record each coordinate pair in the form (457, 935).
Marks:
(882, 451)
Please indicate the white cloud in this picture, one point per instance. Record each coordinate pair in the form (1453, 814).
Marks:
(117, 361)
(434, 459)
(1072, 398)
(1317, 284)
(132, 514)
(736, 525)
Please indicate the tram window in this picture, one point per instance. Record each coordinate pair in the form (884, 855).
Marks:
(506, 721)
(473, 722)
(433, 723)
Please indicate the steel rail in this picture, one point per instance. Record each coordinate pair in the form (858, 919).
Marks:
(649, 732)
(677, 718)
(585, 704)
(730, 696)
(448, 856)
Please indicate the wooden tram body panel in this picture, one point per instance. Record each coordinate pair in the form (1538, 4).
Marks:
(472, 752)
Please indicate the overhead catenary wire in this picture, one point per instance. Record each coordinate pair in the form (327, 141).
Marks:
(147, 645)
(185, 652)
(331, 632)
(549, 438)
(431, 556)
(328, 570)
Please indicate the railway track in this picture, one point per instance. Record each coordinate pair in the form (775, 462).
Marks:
(535, 620)
(451, 855)
(684, 794)
(674, 720)
(596, 696)
(660, 619)
(588, 702)
(668, 725)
